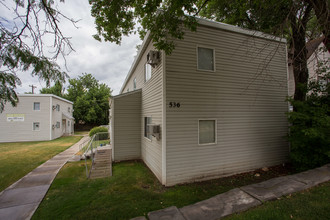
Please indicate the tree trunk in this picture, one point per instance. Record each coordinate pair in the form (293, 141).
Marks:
(300, 70)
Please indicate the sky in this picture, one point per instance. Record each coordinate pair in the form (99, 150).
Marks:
(107, 62)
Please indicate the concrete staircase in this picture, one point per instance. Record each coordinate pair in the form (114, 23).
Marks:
(102, 165)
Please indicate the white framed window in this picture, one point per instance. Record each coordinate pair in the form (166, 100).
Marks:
(36, 106)
(134, 84)
(58, 124)
(207, 130)
(127, 89)
(205, 59)
(147, 72)
(36, 126)
(147, 121)
(58, 107)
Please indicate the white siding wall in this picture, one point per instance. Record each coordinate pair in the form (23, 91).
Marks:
(23, 131)
(246, 95)
(151, 150)
(57, 117)
(126, 136)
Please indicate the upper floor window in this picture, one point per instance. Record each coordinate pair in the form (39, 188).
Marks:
(205, 59)
(147, 72)
(36, 106)
(58, 107)
(134, 84)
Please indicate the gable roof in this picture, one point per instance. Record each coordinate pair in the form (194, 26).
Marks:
(204, 22)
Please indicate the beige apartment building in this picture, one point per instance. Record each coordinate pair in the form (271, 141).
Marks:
(214, 107)
(36, 117)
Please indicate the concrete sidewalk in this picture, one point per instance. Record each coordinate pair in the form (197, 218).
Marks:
(243, 198)
(21, 199)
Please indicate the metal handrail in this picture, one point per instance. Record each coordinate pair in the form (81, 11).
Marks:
(93, 144)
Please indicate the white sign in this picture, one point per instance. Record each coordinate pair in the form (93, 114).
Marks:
(15, 117)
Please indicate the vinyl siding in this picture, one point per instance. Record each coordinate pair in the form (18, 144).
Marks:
(23, 130)
(246, 95)
(126, 126)
(151, 106)
(57, 116)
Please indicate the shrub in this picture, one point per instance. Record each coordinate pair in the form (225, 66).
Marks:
(310, 128)
(97, 130)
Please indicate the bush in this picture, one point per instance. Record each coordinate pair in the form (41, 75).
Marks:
(310, 128)
(97, 130)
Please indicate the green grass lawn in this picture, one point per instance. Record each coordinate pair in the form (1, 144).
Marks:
(132, 191)
(19, 158)
(81, 132)
(310, 204)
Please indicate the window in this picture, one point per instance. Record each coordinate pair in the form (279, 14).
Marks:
(36, 106)
(36, 126)
(147, 71)
(58, 124)
(127, 89)
(134, 84)
(147, 121)
(68, 123)
(57, 107)
(207, 131)
(205, 59)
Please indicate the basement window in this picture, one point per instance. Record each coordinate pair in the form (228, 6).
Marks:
(207, 131)
(36, 126)
(147, 121)
(205, 59)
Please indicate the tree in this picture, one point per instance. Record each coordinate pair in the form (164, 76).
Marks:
(22, 43)
(90, 98)
(166, 20)
(57, 89)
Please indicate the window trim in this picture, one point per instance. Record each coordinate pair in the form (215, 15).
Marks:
(215, 131)
(34, 106)
(33, 126)
(144, 124)
(145, 71)
(214, 64)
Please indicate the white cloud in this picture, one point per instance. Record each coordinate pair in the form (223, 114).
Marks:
(109, 63)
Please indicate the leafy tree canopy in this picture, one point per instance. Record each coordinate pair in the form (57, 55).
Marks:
(90, 98)
(57, 89)
(22, 43)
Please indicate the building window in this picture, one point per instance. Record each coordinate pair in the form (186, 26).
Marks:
(147, 71)
(147, 121)
(127, 90)
(68, 123)
(58, 124)
(205, 59)
(36, 126)
(207, 131)
(134, 84)
(36, 106)
(58, 107)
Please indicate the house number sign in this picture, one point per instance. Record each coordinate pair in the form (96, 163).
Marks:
(174, 104)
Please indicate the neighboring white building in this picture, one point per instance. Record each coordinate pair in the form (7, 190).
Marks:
(214, 107)
(36, 117)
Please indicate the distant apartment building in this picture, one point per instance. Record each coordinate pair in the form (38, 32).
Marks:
(36, 117)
